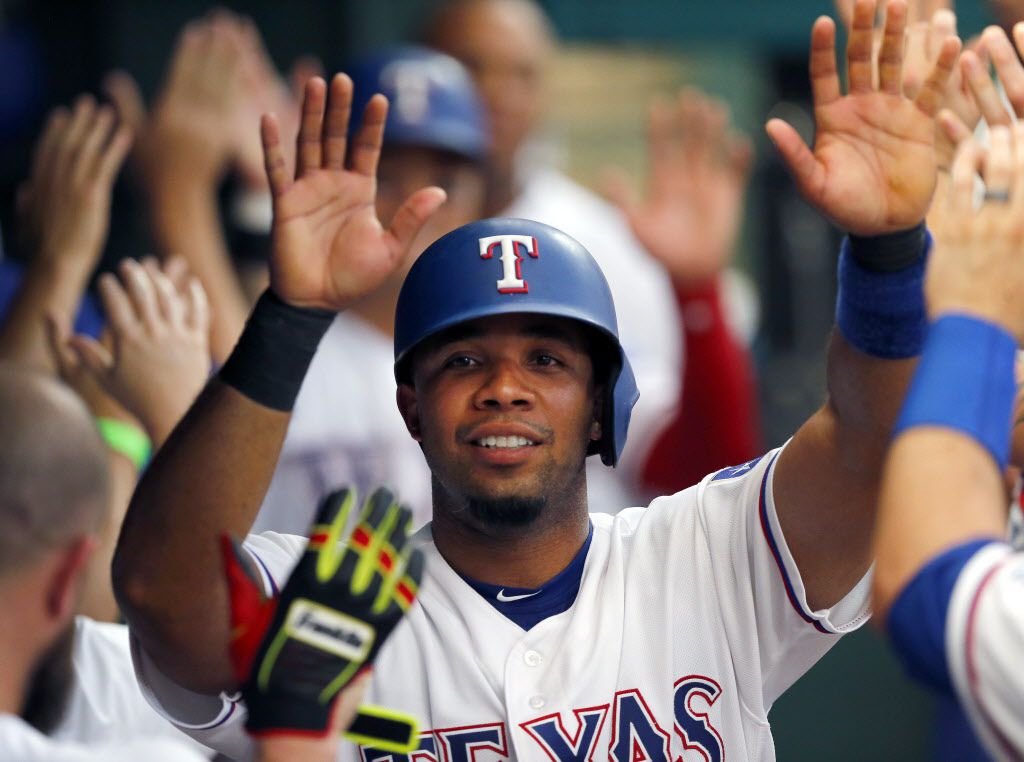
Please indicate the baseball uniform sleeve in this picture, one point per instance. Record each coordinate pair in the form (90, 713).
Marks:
(959, 626)
(760, 590)
(217, 721)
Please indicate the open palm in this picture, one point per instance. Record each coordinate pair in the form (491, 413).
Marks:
(873, 167)
(690, 216)
(328, 247)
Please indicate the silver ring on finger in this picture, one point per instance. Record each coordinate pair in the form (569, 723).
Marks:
(1001, 196)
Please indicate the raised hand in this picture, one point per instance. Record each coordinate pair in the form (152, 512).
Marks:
(692, 211)
(329, 248)
(976, 266)
(872, 170)
(265, 91)
(64, 207)
(155, 358)
(188, 137)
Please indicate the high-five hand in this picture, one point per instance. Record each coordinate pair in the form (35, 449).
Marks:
(329, 248)
(872, 170)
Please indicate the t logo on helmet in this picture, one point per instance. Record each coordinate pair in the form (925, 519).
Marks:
(511, 260)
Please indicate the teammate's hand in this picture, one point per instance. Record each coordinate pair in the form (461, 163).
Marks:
(294, 653)
(995, 45)
(155, 357)
(188, 135)
(266, 91)
(328, 247)
(873, 167)
(976, 266)
(692, 212)
(64, 207)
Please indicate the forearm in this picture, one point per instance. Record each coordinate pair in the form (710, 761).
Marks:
(98, 600)
(186, 222)
(210, 477)
(48, 288)
(717, 423)
(940, 489)
(827, 480)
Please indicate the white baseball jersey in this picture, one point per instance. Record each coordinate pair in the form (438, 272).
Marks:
(106, 716)
(985, 647)
(346, 430)
(690, 620)
(20, 742)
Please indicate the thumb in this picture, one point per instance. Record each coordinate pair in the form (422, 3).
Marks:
(617, 188)
(94, 356)
(796, 155)
(412, 216)
(123, 92)
(57, 334)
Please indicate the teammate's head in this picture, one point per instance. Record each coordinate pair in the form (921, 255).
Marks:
(506, 45)
(505, 331)
(53, 498)
(436, 132)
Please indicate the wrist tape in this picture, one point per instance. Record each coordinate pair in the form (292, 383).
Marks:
(880, 308)
(274, 351)
(965, 381)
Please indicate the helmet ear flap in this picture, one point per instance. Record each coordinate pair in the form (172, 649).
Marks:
(618, 407)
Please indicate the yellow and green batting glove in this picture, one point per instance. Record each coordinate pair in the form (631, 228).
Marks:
(295, 653)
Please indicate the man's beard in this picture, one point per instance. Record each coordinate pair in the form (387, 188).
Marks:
(512, 511)
(50, 686)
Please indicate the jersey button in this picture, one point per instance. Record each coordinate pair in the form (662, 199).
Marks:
(537, 702)
(533, 659)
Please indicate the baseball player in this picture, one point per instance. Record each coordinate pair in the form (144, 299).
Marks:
(545, 632)
(947, 581)
(508, 46)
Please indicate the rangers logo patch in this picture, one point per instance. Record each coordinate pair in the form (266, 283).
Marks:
(511, 257)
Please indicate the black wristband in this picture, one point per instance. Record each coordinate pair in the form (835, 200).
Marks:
(274, 351)
(888, 252)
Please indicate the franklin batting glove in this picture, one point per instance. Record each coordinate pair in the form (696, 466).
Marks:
(295, 653)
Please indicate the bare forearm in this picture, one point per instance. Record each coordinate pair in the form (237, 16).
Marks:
(826, 483)
(98, 600)
(186, 223)
(48, 287)
(940, 488)
(209, 478)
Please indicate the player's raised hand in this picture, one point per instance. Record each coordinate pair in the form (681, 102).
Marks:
(155, 357)
(64, 207)
(692, 210)
(328, 247)
(189, 135)
(873, 168)
(976, 266)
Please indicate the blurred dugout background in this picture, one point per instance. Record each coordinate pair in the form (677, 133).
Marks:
(855, 705)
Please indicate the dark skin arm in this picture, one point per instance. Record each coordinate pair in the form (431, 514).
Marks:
(328, 250)
(872, 171)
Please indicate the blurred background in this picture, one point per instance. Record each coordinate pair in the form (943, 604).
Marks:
(854, 705)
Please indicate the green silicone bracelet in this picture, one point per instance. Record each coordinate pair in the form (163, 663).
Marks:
(127, 439)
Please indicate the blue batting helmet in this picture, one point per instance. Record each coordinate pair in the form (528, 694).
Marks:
(433, 102)
(502, 266)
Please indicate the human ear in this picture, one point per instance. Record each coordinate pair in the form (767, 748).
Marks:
(65, 585)
(409, 408)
